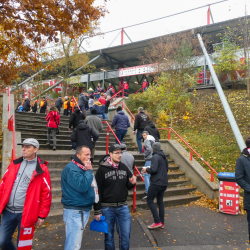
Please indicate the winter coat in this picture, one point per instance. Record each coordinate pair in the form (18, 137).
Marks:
(99, 108)
(82, 135)
(94, 122)
(242, 176)
(112, 185)
(34, 107)
(38, 196)
(98, 89)
(75, 118)
(141, 121)
(102, 100)
(106, 109)
(43, 104)
(18, 105)
(148, 152)
(26, 105)
(158, 169)
(81, 99)
(125, 85)
(51, 117)
(77, 192)
(59, 102)
(120, 121)
(152, 130)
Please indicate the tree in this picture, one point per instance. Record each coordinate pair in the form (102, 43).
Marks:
(27, 25)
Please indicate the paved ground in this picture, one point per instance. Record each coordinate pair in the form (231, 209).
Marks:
(188, 228)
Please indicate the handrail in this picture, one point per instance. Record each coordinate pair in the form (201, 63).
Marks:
(192, 151)
(11, 127)
(123, 103)
(139, 90)
(115, 95)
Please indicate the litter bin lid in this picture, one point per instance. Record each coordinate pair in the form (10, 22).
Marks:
(226, 176)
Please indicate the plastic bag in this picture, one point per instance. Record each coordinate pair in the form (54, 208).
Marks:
(99, 226)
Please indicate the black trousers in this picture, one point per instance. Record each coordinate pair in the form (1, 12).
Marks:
(58, 108)
(248, 220)
(42, 111)
(158, 192)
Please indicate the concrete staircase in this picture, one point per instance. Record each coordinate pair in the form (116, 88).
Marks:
(180, 191)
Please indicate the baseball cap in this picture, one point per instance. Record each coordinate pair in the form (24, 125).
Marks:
(30, 141)
(141, 109)
(115, 147)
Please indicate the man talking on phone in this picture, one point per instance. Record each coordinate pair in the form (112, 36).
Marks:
(78, 196)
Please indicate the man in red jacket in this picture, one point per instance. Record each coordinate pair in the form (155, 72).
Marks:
(125, 87)
(25, 196)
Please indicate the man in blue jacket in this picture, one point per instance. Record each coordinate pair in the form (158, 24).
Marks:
(121, 124)
(242, 177)
(78, 196)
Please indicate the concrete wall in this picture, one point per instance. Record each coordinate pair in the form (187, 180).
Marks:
(7, 135)
(192, 169)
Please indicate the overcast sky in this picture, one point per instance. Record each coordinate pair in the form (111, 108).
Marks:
(129, 12)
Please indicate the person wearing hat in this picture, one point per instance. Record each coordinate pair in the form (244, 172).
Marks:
(127, 158)
(25, 194)
(43, 105)
(59, 103)
(26, 104)
(158, 184)
(141, 121)
(113, 180)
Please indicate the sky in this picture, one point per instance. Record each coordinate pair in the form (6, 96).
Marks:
(129, 12)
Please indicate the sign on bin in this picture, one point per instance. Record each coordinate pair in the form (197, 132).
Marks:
(229, 194)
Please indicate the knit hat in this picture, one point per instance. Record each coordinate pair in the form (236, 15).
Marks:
(119, 108)
(156, 146)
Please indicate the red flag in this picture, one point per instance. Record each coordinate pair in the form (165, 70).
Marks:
(208, 15)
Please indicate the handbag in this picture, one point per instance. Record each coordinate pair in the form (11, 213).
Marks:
(99, 226)
(57, 129)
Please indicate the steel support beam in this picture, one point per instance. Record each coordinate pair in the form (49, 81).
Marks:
(223, 99)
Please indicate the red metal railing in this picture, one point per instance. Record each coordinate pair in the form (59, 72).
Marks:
(139, 90)
(11, 127)
(123, 103)
(136, 169)
(191, 152)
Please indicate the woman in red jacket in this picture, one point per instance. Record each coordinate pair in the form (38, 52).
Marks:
(53, 119)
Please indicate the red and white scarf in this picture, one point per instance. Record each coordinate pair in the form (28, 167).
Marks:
(115, 166)
(93, 184)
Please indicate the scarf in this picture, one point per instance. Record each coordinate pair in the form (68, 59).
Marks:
(115, 166)
(93, 184)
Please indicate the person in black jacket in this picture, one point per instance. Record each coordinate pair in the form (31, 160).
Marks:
(83, 135)
(59, 103)
(34, 107)
(26, 105)
(43, 105)
(18, 105)
(242, 177)
(74, 121)
(113, 180)
(158, 184)
(141, 121)
(152, 130)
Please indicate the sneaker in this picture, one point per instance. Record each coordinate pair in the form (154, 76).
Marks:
(155, 225)
(144, 197)
(73, 149)
(139, 153)
(162, 226)
(54, 148)
(47, 143)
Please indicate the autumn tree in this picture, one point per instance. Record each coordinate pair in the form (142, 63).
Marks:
(27, 25)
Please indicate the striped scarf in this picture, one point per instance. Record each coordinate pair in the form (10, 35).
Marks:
(115, 166)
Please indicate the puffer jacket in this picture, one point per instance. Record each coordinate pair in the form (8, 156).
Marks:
(120, 121)
(152, 130)
(51, 117)
(99, 108)
(242, 176)
(26, 105)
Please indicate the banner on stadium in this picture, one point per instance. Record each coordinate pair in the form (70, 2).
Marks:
(138, 70)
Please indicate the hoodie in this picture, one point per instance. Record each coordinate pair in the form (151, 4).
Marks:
(152, 130)
(75, 118)
(82, 135)
(112, 185)
(148, 152)
(120, 121)
(158, 169)
(53, 119)
(242, 176)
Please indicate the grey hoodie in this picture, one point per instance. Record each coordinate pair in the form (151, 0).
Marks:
(148, 152)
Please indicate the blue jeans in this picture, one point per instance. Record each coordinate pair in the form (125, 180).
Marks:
(122, 218)
(8, 226)
(75, 221)
(120, 135)
(90, 110)
(74, 145)
(82, 107)
(138, 139)
(147, 177)
(105, 116)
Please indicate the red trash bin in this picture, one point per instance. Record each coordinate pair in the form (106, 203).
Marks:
(229, 194)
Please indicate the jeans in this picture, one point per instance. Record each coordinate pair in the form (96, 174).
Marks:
(8, 226)
(74, 145)
(125, 92)
(90, 110)
(105, 116)
(99, 115)
(82, 107)
(103, 112)
(248, 220)
(158, 192)
(59, 109)
(53, 130)
(122, 218)
(147, 177)
(120, 135)
(138, 139)
(75, 221)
